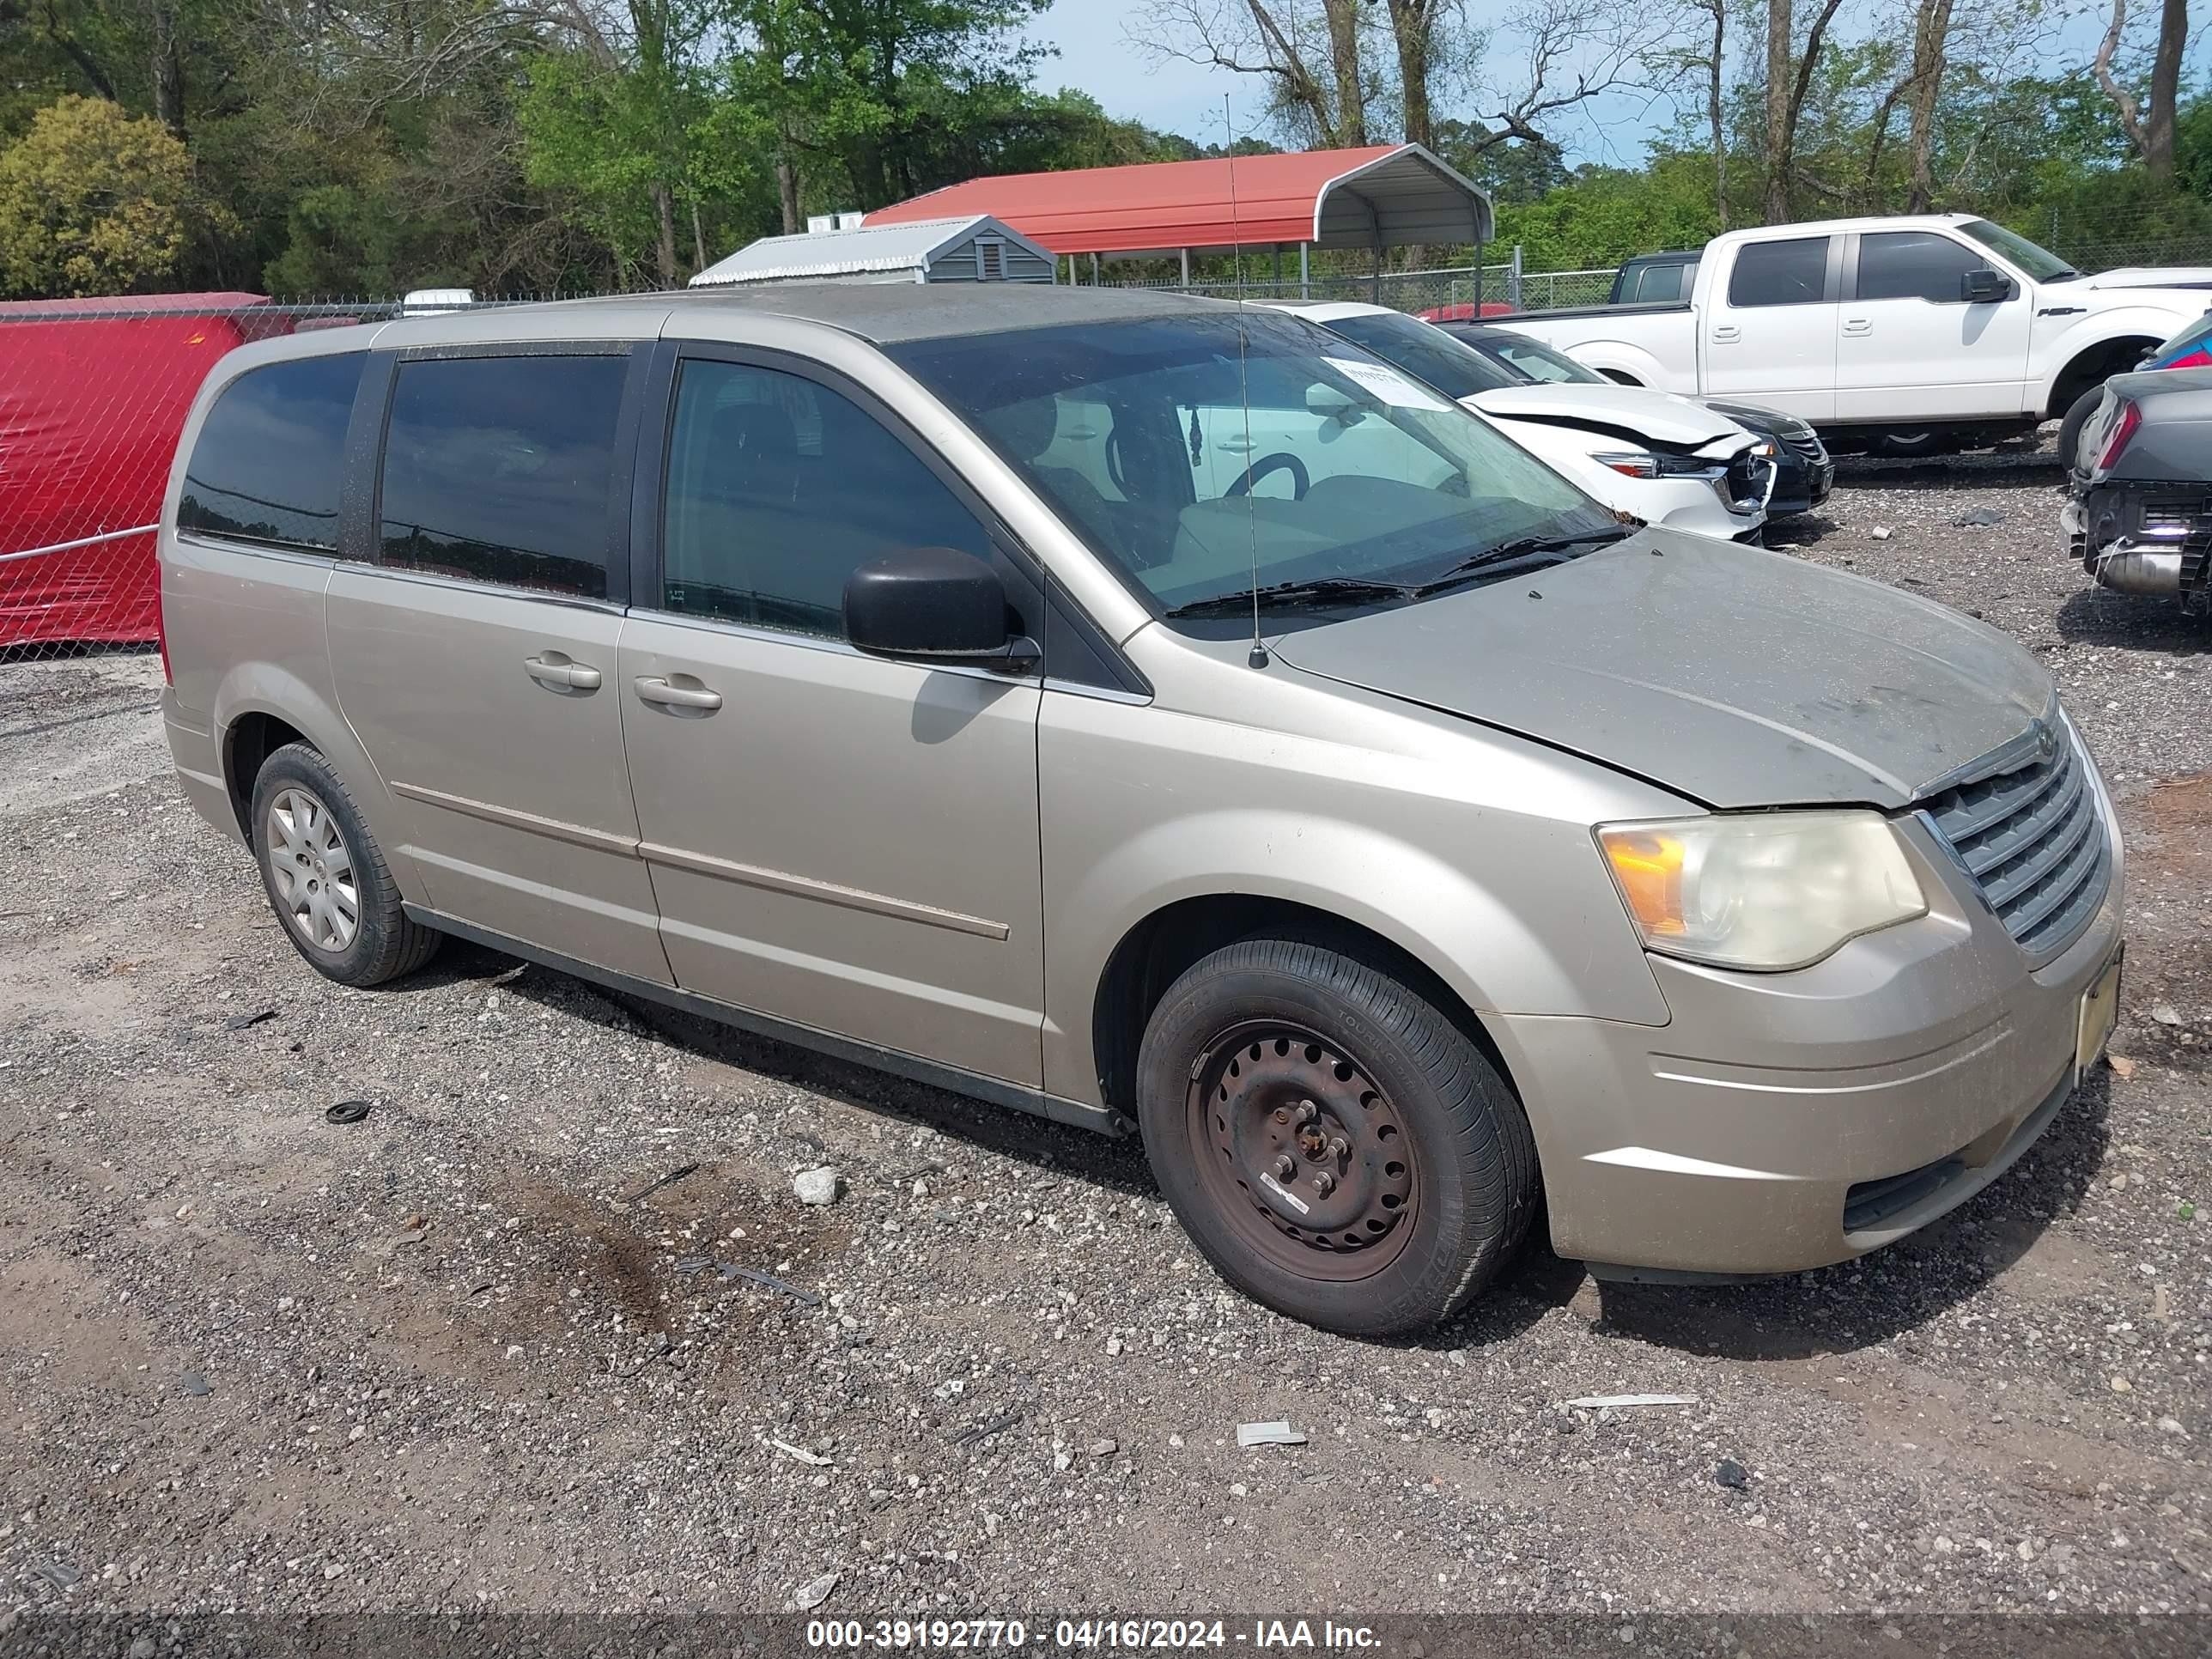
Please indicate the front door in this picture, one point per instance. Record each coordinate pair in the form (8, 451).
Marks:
(834, 840)
(476, 658)
(1769, 330)
(1909, 345)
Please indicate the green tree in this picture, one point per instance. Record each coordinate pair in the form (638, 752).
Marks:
(93, 200)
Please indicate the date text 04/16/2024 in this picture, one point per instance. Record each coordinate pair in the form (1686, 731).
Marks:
(1088, 1634)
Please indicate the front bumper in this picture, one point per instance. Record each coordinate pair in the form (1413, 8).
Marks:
(1893, 1080)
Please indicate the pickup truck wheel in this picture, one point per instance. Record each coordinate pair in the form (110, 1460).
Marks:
(2078, 417)
(1909, 444)
(326, 875)
(1336, 1146)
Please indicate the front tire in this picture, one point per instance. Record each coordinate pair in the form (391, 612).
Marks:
(326, 875)
(1335, 1144)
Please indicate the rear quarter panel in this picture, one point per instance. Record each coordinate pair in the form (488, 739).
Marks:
(245, 626)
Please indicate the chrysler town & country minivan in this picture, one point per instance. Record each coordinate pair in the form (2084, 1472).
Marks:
(948, 680)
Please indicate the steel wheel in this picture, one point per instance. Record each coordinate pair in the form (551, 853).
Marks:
(1308, 1160)
(311, 870)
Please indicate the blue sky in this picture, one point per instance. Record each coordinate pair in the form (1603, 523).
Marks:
(1097, 57)
(1174, 97)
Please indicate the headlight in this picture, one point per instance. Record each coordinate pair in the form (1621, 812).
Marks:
(1757, 485)
(1642, 464)
(1761, 890)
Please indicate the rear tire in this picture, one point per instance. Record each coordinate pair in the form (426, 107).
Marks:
(1337, 1146)
(2078, 417)
(326, 875)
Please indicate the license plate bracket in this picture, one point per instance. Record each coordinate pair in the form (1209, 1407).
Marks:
(2100, 1014)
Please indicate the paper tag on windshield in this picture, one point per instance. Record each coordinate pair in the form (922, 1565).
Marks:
(1388, 385)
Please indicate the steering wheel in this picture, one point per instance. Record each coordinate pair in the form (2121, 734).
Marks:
(1301, 481)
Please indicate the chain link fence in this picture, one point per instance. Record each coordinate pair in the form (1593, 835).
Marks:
(92, 395)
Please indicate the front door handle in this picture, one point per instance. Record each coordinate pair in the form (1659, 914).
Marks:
(663, 694)
(1857, 326)
(1727, 333)
(556, 672)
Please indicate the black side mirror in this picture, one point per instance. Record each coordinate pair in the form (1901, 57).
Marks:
(935, 605)
(1984, 286)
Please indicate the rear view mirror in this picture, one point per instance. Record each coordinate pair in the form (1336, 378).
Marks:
(1331, 404)
(1984, 286)
(935, 605)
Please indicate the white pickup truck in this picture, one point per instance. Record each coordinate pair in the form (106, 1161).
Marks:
(1910, 336)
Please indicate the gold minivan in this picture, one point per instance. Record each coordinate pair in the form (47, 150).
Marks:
(1161, 715)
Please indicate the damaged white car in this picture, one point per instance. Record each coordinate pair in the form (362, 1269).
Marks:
(1651, 455)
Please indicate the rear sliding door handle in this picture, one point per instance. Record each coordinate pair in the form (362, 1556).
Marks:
(556, 672)
(1857, 326)
(661, 693)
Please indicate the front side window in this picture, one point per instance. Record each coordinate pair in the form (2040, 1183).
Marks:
(779, 488)
(1793, 273)
(1197, 449)
(271, 454)
(1915, 264)
(498, 468)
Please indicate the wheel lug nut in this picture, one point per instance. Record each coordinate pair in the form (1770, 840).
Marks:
(1282, 1115)
(1308, 1111)
(1284, 1168)
(1324, 1183)
(1337, 1146)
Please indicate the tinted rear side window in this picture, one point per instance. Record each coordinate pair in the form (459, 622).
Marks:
(1791, 273)
(271, 453)
(1914, 264)
(1657, 284)
(499, 469)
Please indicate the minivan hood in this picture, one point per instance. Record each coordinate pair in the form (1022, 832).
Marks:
(1659, 416)
(1736, 677)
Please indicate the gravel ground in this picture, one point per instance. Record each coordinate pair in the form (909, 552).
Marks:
(550, 1330)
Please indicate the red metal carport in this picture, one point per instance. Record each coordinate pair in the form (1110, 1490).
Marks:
(1383, 196)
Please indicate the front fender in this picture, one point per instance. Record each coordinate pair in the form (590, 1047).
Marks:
(2093, 334)
(1435, 852)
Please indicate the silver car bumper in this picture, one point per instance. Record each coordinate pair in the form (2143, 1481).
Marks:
(1784, 1122)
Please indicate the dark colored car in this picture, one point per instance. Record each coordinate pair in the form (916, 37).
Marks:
(2190, 349)
(1655, 278)
(1803, 476)
(2139, 515)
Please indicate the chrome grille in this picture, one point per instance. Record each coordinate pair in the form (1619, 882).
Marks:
(2033, 843)
(1807, 444)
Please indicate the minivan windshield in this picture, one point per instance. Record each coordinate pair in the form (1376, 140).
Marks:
(2041, 263)
(1208, 453)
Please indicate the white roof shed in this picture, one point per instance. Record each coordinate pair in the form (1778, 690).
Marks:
(974, 248)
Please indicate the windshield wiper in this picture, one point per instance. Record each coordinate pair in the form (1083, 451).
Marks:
(1319, 591)
(1520, 548)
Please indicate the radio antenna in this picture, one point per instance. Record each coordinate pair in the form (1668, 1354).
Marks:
(1258, 654)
